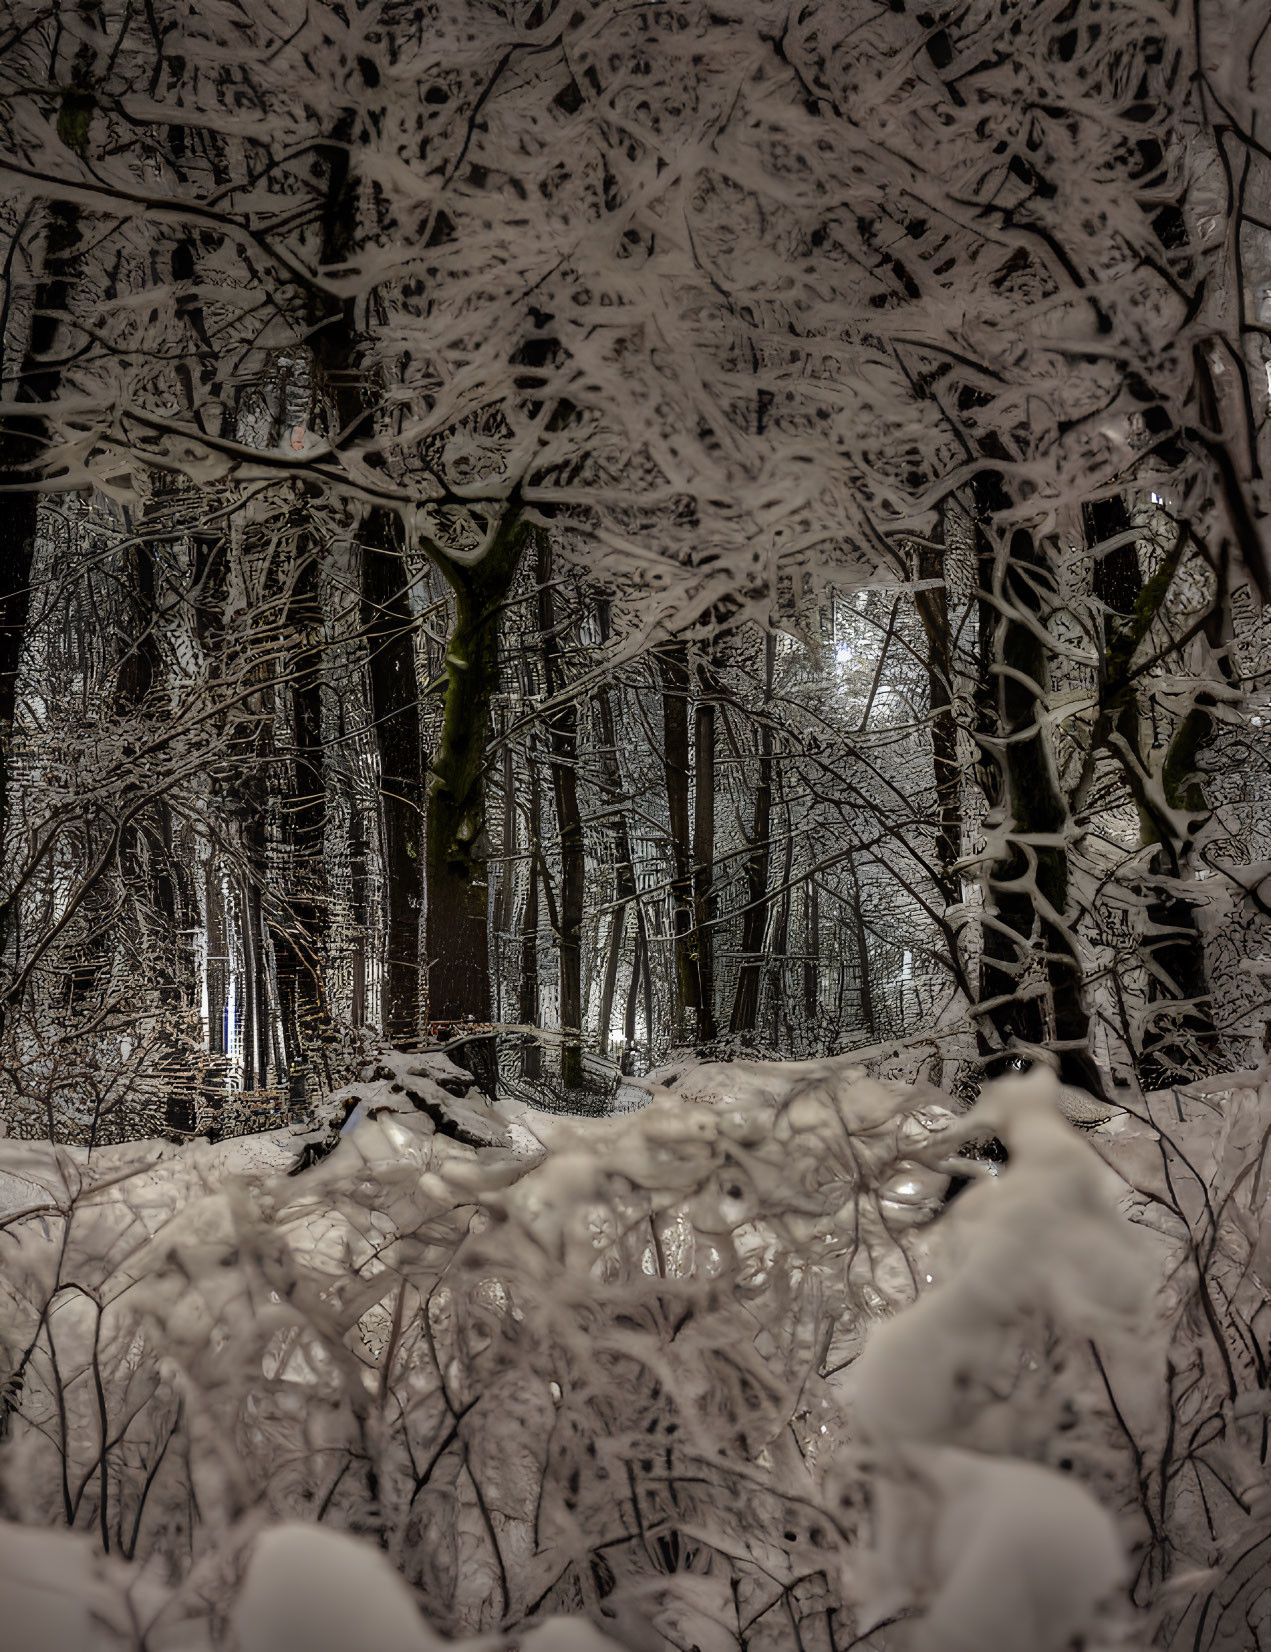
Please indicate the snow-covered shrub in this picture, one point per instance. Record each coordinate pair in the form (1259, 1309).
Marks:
(1197, 1160)
(678, 1372)
(962, 1399)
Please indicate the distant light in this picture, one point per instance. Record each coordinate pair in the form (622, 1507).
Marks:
(1157, 499)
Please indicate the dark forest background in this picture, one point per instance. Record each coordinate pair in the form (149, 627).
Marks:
(585, 536)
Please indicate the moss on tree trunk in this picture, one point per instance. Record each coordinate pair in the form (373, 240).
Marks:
(457, 925)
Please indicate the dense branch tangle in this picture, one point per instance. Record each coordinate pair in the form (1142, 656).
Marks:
(710, 312)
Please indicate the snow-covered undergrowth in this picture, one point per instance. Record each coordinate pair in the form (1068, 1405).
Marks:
(707, 1375)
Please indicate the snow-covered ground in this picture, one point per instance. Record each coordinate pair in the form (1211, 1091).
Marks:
(723, 1371)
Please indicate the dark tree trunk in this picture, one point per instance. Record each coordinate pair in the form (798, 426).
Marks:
(457, 907)
(640, 972)
(609, 982)
(256, 1039)
(868, 1014)
(562, 735)
(504, 914)
(152, 871)
(780, 945)
(299, 927)
(393, 679)
(745, 1014)
(704, 855)
(532, 1049)
(1027, 890)
(395, 712)
(458, 943)
(1179, 1036)
(22, 443)
(620, 840)
(673, 665)
(333, 333)
(811, 956)
(933, 610)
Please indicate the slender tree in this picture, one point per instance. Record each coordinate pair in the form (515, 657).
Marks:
(625, 898)
(673, 668)
(562, 742)
(745, 1012)
(704, 851)
(394, 699)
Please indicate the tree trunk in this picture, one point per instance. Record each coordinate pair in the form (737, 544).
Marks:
(457, 914)
(933, 610)
(562, 734)
(1179, 1042)
(755, 915)
(640, 971)
(704, 855)
(1027, 889)
(868, 1014)
(609, 982)
(673, 665)
(777, 1007)
(22, 441)
(458, 943)
(624, 869)
(532, 1049)
(298, 922)
(504, 914)
(395, 712)
(811, 957)
(334, 339)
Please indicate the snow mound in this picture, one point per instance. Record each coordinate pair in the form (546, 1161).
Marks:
(50, 1591)
(309, 1589)
(1014, 1556)
(1022, 1559)
(424, 1090)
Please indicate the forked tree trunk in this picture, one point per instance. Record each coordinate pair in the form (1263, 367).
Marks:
(458, 944)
